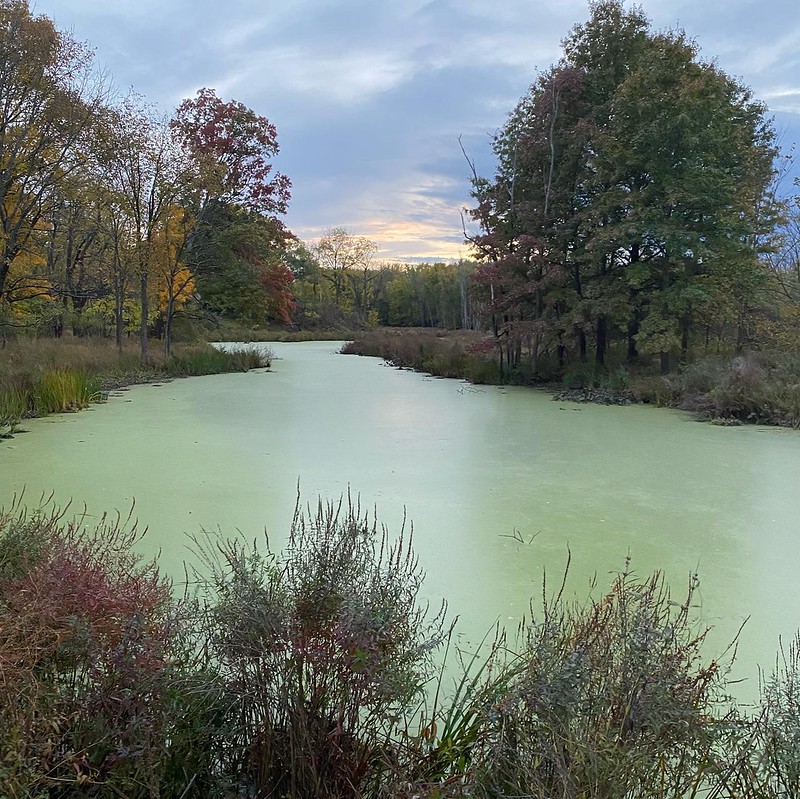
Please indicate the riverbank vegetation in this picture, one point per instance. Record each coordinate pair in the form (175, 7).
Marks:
(41, 376)
(624, 242)
(761, 387)
(313, 672)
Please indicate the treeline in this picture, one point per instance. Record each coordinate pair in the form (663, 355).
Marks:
(338, 283)
(114, 217)
(633, 216)
(313, 673)
(633, 210)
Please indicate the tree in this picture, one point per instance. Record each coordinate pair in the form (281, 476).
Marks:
(48, 100)
(339, 252)
(237, 258)
(236, 247)
(231, 147)
(146, 171)
(632, 180)
(175, 280)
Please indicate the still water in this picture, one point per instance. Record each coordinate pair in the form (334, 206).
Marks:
(498, 482)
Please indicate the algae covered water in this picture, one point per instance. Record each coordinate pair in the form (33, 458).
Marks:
(499, 483)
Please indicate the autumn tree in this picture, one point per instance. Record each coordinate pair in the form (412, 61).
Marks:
(340, 253)
(146, 171)
(237, 200)
(173, 277)
(49, 96)
(78, 248)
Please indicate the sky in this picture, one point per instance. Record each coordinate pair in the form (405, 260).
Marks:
(372, 99)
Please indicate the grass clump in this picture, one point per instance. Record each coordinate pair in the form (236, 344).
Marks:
(41, 376)
(61, 390)
(208, 361)
(605, 699)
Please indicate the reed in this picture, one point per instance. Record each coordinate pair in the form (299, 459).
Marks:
(62, 390)
(208, 360)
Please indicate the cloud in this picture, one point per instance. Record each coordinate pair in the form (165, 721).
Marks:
(414, 216)
(369, 98)
(783, 98)
(345, 78)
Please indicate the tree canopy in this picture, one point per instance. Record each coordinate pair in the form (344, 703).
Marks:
(631, 192)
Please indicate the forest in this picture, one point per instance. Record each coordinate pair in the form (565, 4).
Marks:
(636, 216)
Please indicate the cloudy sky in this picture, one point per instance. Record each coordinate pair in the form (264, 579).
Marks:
(370, 97)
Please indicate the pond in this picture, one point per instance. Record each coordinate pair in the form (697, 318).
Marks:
(500, 483)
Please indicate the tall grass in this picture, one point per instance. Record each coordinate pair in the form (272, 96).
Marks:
(41, 376)
(436, 352)
(210, 361)
(60, 390)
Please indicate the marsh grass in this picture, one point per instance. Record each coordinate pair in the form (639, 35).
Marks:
(436, 352)
(61, 390)
(41, 376)
(209, 361)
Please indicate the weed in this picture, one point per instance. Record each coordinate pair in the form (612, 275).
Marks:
(61, 390)
(320, 649)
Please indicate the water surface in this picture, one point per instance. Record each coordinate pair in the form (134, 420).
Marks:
(475, 469)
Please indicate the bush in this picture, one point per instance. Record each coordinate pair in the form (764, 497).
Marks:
(606, 699)
(306, 674)
(91, 654)
(321, 651)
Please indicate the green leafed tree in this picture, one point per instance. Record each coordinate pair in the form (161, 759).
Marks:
(631, 192)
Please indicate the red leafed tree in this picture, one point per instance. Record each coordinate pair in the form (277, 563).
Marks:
(277, 279)
(232, 147)
(236, 251)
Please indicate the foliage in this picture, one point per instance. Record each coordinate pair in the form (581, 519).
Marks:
(630, 203)
(90, 656)
(49, 101)
(319, 648)
(305, 673)
(231, 147)
(606, 699)
(237, 261)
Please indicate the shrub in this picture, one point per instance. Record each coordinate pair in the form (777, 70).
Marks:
(321, 650)
(91, 654)
(605, 699)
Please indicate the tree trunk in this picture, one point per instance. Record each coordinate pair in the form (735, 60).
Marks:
(582, 344)
(684, 338)
(600, 342)
(665, 362)
(633, 330)
(143, 343)
(170, 315)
